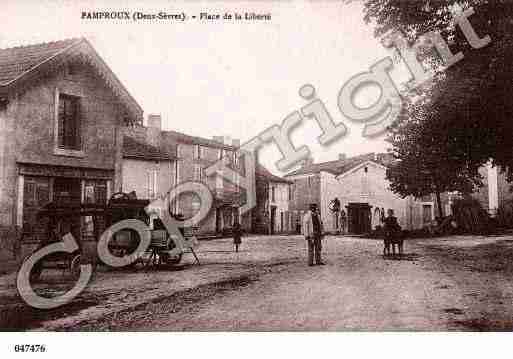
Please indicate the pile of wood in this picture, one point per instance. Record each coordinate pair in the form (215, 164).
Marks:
(470, 216)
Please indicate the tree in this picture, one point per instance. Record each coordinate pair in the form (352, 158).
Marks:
(469, 105)
(427, 160)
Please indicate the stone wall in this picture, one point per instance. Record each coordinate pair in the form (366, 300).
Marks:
(28, 127)
(136, 177)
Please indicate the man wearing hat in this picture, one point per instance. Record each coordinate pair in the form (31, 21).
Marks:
(312, 230)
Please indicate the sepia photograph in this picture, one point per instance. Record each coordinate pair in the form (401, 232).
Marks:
(256, 173)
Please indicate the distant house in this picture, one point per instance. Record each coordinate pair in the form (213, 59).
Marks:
(61, 111)
(495, 192)
(155, 161)
(360, 185)
(149, 168)
(271, 214)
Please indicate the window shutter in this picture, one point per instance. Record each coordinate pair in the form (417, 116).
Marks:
(77, 119)
(148, 179)
(196, 172)
(60, 123)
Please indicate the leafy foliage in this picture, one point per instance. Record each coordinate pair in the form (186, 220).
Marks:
(463, 117)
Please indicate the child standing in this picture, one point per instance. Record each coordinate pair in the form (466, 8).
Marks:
(237, 234)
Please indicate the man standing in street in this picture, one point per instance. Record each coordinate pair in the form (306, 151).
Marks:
(312, 230)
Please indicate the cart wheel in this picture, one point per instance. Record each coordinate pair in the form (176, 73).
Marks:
(74, 266)
(37, 269)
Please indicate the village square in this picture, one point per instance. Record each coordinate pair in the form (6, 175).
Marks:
(416, 237)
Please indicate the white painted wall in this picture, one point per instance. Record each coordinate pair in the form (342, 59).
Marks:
(281, 201)
(367, 187)
(138, 175)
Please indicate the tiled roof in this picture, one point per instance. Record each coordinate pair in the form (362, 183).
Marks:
(138, 150)
(16, 61)
(25, 63)
(183, 138)
(341, 166)
(264, 173)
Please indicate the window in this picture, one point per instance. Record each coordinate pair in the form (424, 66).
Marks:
(309, 181)
(291, 192)
(198, 152)
(221, 153)
(95, 191)
(229, 155)
(273, 193)
(199, 173)
(427, 213)
(152, 184)
(69, 122)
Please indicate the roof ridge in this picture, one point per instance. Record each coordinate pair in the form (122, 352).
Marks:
(18, 47)
(193, 137)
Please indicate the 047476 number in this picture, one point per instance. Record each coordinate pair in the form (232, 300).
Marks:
(30, 348)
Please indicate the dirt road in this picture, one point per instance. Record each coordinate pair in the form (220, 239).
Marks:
(455, 283)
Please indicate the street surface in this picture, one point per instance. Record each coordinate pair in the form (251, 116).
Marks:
(452, 283)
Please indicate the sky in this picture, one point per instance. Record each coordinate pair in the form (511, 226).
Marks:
(209, 78)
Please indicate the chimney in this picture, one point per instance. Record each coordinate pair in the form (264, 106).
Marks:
(342, 156)
(153, 129)
(155, 121)
(227, 140)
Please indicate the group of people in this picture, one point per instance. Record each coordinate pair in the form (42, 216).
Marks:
(312, 230)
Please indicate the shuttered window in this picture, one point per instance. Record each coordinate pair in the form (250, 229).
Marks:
(69, 122)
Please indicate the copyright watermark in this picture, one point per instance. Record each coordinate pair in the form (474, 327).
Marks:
(376, 120)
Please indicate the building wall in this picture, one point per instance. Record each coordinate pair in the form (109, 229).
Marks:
(140, 175)
(281, 202)
(28, 128)
(495, 190)
(306, 189)
(188, 203)
(371, 186)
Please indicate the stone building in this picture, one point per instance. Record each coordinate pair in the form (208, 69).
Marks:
(271, 214)
(360, 185)
(154, 161)
(61, 111)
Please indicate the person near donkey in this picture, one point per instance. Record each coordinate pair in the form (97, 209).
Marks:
(312, 231)
(392, 232)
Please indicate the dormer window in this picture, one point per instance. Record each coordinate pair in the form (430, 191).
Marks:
(69, 122)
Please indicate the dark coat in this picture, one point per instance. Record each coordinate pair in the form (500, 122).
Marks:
(391, 227)
(237, 234)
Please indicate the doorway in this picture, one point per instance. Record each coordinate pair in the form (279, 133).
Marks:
(359, 218)
(273, 219)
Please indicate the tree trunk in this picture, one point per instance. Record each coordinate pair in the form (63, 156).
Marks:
(439, 204)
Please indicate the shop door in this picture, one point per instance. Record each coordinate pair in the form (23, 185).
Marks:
(36, 194)
(67, 191)
(359, 216)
